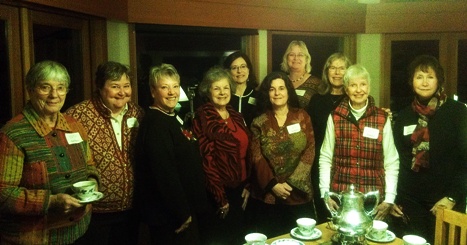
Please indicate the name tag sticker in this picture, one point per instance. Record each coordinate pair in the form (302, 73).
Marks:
(371, 133)
(73, 138)
(132, 122)
(300, 92)
(408, 130)
(252, 101)
(179, 120)
(294, 128)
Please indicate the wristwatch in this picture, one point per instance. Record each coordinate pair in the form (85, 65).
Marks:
(451, 199)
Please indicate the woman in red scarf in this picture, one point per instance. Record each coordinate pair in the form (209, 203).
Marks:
(431, 137)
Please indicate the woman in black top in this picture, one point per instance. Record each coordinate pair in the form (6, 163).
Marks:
(169, 176)
(330, 93)
(244, 95)
(431, 137)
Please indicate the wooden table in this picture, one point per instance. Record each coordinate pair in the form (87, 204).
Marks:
(326, 237)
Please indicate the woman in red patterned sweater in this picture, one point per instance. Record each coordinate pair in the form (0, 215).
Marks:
(223, 139)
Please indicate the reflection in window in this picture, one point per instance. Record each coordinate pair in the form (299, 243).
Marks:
(5, 94)
(62, 45)
(403, 52)
(462, 71)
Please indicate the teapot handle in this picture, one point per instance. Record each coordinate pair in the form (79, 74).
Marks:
(328, 195)
(376, 195)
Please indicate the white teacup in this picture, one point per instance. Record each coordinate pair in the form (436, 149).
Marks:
(414, 240)
(255, 239)
(306, 226)
(84, 189)
(378, 231)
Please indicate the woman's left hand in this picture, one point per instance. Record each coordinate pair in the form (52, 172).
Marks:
(245, 195)
(383, 210)
(443, 203)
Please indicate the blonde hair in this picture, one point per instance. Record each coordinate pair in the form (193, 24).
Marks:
(285, 67)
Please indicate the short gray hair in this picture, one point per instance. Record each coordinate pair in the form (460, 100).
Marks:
(356, 71)
(213, 75)
(47, 70)
(162, 71)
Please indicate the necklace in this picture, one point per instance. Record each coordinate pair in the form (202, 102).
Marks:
(160, 109)
(299, 79)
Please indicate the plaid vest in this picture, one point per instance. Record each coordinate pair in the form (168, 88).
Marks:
(358, 159)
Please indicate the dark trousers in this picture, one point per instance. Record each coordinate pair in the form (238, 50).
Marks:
(276, 219)
(232, 229)
(164, 235)
(111, 228)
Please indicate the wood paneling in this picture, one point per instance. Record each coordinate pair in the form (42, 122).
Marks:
(416, 17)
(297, 15)
(110, 9)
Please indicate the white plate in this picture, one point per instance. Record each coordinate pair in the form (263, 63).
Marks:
(390, 236)
(314, 235)
(287, 241)
(96, 196)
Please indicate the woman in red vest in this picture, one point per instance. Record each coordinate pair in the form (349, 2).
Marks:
(358, 146)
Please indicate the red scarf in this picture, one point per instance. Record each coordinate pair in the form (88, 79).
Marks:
(421, 136)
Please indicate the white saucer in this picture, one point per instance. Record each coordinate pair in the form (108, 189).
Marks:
(287, 241)
(96, 196)
(390, 236)
(314, 235)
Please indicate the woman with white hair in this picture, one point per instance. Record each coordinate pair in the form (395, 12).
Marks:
(358, 146)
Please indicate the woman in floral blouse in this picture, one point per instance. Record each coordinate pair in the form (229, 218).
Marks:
(282, 149)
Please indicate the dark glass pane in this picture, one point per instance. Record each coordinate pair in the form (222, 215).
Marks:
(5, 94)
(462, 71)
(192, 52)
(403, 52)
(319, 47)
(62, 45)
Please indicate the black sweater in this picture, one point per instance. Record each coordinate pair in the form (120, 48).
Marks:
(447, 172)
(168, 172)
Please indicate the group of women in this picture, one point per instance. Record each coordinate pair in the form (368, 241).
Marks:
(254, 159)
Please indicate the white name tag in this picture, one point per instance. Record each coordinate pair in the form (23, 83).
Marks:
(252, 101)
(179, 120)
(73, 138)
(408, 130)
(294, 128)
(132, 122)
(371, 133)
(300, 92)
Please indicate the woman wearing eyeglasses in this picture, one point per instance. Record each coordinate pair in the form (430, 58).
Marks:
(42, 153)
(330, 94)
(296, 62)
(243, 99)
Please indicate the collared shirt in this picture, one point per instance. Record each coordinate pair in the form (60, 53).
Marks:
(117, 125)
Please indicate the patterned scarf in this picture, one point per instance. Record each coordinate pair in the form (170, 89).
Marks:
(421, 136)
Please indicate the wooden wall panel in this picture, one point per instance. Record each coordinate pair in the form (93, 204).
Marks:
(110, 9)
(417, 17)
(298, 15)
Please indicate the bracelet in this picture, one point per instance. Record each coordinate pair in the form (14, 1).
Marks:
(451, 199)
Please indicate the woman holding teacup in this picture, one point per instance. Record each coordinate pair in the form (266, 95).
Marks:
(42, 153)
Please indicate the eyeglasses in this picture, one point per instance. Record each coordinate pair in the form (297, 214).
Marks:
(293, 55)
(47, 89)
(339, 69)
(242, 67)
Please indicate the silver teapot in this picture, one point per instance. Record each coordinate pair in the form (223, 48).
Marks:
(351, 219)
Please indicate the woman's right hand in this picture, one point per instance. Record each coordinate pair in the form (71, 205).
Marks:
(223, 211)
(64, 203)
(282, 190)
(332, 205)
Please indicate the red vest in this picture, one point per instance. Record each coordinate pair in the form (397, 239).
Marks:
(358, 160)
